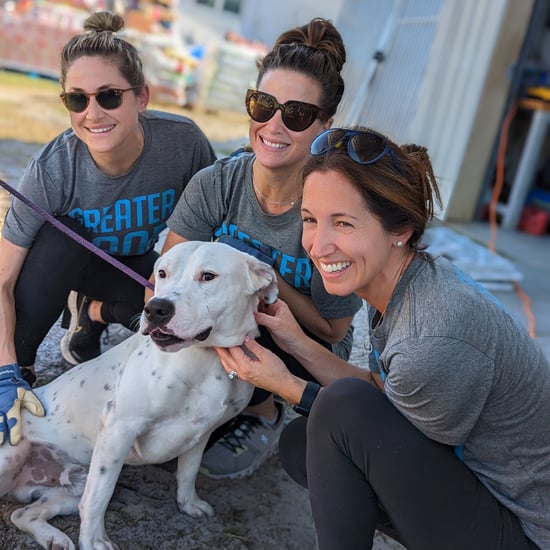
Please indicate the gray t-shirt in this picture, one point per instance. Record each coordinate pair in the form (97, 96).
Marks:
(126, 213)
(459, 367)
(220, 200)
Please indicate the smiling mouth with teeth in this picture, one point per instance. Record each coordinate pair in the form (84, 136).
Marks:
(274, 145)
(165, 339)
(101, 130)
(333, 268)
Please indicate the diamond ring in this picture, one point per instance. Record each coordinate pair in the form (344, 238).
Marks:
(232, 375)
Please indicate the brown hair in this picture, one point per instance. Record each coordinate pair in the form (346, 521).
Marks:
(316, 50)
(400, 189)
(100, 40)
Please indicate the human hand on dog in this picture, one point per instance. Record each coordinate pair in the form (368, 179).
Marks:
(15, 395)
(282, 325)
(259, 366)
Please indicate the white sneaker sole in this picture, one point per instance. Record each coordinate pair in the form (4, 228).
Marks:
(64, 345)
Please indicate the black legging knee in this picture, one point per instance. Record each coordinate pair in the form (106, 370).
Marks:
(366, 463)
(55, 265)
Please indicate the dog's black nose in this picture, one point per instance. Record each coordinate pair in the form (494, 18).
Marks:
(159, 311)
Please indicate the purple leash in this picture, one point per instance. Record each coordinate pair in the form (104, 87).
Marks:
(79, 239)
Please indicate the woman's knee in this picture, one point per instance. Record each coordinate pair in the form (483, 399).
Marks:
(49, 230)
(346, 397)
(51, 242)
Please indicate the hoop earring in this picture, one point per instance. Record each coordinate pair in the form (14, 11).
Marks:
(399, 244)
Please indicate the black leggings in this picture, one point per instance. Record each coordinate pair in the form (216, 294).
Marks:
(55, 265)
(369, 468)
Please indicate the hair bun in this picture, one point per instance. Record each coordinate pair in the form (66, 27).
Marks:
(102, 21)
(319, 34)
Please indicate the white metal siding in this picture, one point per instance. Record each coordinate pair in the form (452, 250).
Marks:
(384, 95)
(428, 88)
(452, 87)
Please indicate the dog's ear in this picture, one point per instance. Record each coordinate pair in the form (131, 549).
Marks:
(262, 280)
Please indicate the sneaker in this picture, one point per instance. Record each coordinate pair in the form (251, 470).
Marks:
(247, 443)
(81, 341)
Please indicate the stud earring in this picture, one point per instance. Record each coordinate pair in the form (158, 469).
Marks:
(399, 243)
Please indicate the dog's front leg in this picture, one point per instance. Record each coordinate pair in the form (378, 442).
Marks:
(188, 467)
(111, 449)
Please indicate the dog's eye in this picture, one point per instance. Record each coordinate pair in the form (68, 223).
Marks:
(161, 274)
(208, 276)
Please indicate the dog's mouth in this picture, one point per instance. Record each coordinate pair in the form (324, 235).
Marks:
(166, 339)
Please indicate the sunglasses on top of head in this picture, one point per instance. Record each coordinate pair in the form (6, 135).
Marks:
(363, 146)
(297, 115)
(110, 98)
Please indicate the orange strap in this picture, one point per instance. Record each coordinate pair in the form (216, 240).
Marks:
(497, 189)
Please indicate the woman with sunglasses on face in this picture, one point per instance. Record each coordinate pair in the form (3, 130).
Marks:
(252, 200)
(445, 441)
(114, 177)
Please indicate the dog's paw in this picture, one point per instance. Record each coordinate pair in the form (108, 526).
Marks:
(60, 544)
(27, 519)
(97, 543)
(196, 508)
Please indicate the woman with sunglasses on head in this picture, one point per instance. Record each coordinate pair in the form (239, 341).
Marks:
(444, 442)
(252, 199)
(114, 177)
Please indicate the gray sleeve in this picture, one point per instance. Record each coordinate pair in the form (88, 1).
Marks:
(440, 384)
(203, 153)
(199, 209)
(22, 223)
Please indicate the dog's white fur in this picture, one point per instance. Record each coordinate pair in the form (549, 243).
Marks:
(156, 396)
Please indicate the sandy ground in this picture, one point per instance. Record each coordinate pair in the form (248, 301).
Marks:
(267, 511)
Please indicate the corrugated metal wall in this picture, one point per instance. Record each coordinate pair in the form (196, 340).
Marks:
(453, 85)
(384, 94)
(427, 88)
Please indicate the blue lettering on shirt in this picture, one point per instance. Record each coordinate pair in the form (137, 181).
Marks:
(106, 221)
(295, 271)
(123, 215)
(107, 244)
(138, 204)
(128, 226)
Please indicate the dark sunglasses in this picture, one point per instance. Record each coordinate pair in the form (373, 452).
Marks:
(297, 115)
(110, 98)
(363, 146)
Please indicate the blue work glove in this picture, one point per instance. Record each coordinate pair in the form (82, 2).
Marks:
(15, 394)
(261, 251)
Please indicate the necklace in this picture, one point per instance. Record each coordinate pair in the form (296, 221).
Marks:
(275, 203)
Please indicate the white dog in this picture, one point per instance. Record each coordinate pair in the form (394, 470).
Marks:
(156, 396)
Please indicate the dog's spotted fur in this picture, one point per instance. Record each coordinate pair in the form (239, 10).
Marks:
(156, 396)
